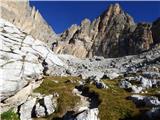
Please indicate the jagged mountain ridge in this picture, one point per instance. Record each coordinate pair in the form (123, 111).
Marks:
(112, 34)
(28, 19)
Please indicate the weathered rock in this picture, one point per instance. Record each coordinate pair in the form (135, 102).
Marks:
(136, 89)
(141, 39)
(92, 75)
(146, 83)
(37, 106)
(101, 85)
(125, 84)
(28, 19)
(149, 101)
(48, 102)
(90, 114)
(22, 62)
(152, 75)
(26, 109)
(111, 75)
(39, 110)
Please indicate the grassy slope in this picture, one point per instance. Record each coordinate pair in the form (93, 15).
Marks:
(113, 106)
(67, 100)
(9, 115)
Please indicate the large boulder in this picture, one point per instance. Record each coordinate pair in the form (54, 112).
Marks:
(24, 60)
(37, 106)
(26, 109)
(149, 101)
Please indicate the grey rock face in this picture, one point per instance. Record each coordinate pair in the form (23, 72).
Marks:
(22, 63)
(28, 19)
(37, 106)
(26, 109)
(141, 39)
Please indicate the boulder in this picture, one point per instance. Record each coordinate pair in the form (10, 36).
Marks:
(136, 89)
(111, 75)
(38, 106)
(92, 75)
(49, 104)
(26, 109)
(145, 83)
(89, 114)
(39, 110)
(149, 101)
(101, 84)
(125, 84)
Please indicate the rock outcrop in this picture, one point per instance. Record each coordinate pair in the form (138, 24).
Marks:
(112, 34)
(24, 60)
(28, 19)
(37, 106)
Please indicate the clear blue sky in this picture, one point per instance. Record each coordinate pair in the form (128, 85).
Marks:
(61, 14)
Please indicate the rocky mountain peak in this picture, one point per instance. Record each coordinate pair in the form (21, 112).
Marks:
(112, 34)
(114, 9)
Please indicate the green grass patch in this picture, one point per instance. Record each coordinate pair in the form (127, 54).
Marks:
(66, 101)
(114, 105)
(9, 115)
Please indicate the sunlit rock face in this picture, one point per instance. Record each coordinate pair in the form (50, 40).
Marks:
(113, 34)
(28, 19)
(23, 60)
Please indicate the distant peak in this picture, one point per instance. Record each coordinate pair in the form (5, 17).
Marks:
(114, 8)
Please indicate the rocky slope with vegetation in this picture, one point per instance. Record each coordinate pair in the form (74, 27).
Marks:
(37, 84)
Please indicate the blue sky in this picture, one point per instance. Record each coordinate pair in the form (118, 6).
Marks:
(61, 14)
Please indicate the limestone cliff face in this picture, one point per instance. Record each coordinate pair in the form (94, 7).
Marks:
(112, 34)
(27, 19)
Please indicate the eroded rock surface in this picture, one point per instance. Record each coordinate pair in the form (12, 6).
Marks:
(28, 19)
(22, 62)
